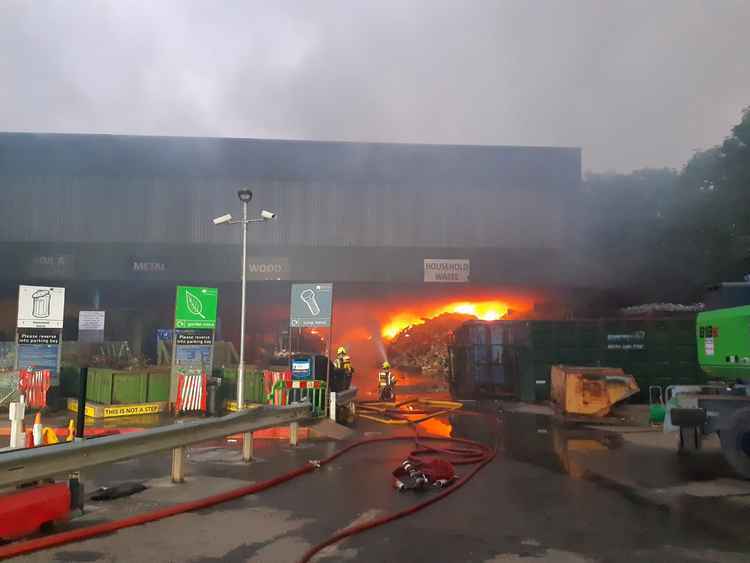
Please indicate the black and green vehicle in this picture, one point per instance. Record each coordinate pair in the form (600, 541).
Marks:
(723, 346)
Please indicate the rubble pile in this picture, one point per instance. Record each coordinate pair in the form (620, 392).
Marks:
(424, 347)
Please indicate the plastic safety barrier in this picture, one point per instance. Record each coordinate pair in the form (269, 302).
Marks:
(34, 384)
(191, 393)
(288, 392)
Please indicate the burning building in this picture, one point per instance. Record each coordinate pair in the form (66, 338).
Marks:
(406, 232)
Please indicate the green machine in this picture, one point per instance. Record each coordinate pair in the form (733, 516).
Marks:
(723, 406)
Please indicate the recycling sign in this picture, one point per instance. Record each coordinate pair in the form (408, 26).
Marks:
(195, 307)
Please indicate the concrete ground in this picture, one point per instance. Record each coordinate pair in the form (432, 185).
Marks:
(555, 492)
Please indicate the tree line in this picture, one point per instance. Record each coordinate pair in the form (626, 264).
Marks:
(666, 234)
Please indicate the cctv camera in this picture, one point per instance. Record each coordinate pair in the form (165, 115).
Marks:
(223, 219)
(267, 214)
(245, 195)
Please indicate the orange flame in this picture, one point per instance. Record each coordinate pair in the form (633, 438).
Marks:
(483, 310)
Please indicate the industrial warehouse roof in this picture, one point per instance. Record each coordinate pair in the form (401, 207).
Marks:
(104, 155)
(165, 190)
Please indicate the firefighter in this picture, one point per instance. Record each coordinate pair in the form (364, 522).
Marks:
(386, 383)
(343, 361)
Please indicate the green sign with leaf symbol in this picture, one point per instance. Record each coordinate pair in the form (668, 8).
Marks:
(195, 307)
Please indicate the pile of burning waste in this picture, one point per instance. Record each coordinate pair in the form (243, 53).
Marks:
(420, 342)
(424, 347)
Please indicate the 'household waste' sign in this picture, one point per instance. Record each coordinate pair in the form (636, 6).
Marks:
(195, 307)
(448, 270)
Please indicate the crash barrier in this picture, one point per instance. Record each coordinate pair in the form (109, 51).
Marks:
(24, 466)
(290, 392)
(34, 385)
(342, 405)
(191, 393)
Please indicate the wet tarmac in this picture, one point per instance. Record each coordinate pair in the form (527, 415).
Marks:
(539, 500)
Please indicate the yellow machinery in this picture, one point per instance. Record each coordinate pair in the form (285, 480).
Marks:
(590, 391)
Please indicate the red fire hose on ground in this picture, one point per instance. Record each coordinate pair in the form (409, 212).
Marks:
(459, 452)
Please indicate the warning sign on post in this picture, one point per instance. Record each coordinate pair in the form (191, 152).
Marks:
(448, 270)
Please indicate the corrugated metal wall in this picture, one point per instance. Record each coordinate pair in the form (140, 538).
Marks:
(112, 189)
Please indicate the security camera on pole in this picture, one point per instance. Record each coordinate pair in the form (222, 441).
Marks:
(245, 196)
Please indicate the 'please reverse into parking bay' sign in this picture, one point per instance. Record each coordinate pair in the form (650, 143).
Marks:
(447, 270)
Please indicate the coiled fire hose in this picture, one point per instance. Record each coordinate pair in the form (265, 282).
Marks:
(459, 452)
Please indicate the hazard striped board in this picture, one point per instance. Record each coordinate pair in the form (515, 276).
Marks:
(315, 384)
(34, 384)
(191, 393)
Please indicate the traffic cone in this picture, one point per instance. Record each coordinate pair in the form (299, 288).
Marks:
(49, 436)
(71, 431)
(37, 430)
(29, 439)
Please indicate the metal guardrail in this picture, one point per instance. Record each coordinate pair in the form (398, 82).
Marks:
(22, 466)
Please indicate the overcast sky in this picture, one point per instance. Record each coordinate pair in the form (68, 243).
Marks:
(634, 83)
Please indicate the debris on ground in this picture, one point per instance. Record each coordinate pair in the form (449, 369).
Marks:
(118, 491)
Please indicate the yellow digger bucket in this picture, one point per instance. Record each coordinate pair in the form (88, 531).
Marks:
(590, 391)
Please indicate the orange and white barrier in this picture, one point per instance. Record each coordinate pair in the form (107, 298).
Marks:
(34, 386)
(276, 393)
(191, 393)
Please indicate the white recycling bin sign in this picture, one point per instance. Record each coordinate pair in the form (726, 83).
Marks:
(40, 306)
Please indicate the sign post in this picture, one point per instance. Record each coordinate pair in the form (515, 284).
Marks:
(312, 307)
(39, 329)
(193, 335)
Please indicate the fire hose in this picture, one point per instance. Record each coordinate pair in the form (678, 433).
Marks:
(461, 452)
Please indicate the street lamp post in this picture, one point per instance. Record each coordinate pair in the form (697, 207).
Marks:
(245, 196)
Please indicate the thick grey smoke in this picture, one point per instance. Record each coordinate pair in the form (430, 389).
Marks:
(636, 83)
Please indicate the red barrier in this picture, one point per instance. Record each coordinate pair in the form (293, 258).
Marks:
(24, 511)
(34, 385)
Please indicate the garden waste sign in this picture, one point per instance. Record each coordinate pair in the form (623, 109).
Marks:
(193, 335)
(195, 307)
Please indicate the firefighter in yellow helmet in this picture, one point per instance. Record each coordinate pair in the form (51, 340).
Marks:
(386, 383)
(343, 361)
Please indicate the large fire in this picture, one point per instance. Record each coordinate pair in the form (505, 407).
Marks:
(483, 310)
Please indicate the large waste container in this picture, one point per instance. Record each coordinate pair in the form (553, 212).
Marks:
(655, 351)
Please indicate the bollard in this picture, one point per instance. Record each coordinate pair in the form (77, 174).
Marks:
(81, 420)
(178, 465)
(247, 447)
(332, 408)
(77, 498)
(15, 414)
(293, 427)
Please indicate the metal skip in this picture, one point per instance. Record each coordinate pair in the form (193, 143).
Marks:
(590, 391)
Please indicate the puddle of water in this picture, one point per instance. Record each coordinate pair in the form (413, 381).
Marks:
(542, 440)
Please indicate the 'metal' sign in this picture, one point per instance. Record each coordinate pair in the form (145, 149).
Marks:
(448, 270)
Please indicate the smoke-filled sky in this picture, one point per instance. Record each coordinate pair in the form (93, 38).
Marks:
(633, 82)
